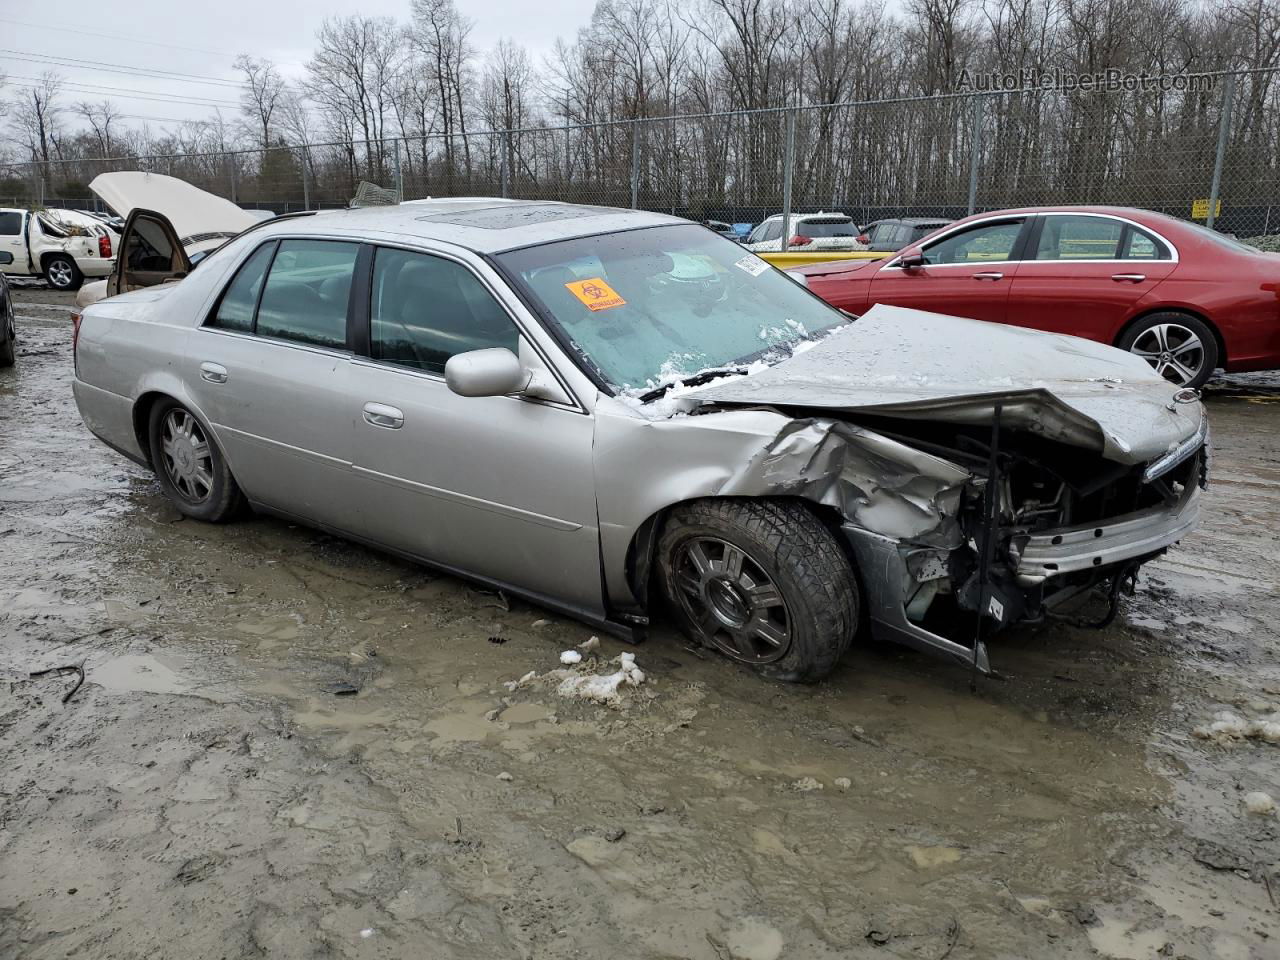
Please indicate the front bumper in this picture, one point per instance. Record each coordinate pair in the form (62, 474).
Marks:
(1072, 549)
(900, 580)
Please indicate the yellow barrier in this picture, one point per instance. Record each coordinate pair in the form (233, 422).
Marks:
(784, 260)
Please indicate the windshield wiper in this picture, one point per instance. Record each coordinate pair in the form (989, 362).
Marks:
(696, 380)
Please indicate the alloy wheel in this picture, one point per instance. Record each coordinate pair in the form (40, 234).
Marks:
(732, 599)
(59, 274)
(186, 455)
(1174, 351)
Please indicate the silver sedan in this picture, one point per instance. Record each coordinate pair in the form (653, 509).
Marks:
(602, 410)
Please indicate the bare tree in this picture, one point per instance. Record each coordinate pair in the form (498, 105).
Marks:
(36, 114)
(99, 116)
(263, 93)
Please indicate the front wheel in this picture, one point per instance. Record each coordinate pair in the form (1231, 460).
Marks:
(189, 465)
(1180, 348)
(761, 581)
(62, 273)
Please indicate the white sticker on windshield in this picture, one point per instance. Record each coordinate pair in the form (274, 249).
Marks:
(752, 264)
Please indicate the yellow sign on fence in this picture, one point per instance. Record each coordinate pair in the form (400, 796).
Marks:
(1200, 209)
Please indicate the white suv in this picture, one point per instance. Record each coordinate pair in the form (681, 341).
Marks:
(63, 246)
(810, 232)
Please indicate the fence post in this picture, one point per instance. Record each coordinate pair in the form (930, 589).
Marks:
(1224, 128)
(975, 153)
(395, 159)
(568, 162)
(506, 174)
(306, 182)
(231, 169)
(635, 164)
(788, 167)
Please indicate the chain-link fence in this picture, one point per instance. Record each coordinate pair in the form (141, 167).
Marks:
(1191, 146)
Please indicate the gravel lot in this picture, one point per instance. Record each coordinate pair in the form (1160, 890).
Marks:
(289, 746)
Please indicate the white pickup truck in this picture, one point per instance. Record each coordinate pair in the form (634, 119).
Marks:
(63, 246)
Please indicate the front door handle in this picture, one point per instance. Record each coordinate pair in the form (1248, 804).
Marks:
(988, 276)
(1130, 277)
(213, 372)
(381, 415)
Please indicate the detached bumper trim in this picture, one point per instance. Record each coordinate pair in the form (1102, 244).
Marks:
(1084, 547)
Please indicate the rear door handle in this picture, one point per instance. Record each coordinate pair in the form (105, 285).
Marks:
(1131, 277)
(381, 415)
(988, 276)
(213, 372)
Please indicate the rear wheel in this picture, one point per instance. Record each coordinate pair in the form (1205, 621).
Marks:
(62, 273)
(1180, 348)
(761, 581)
(189, 465)
(8, 355)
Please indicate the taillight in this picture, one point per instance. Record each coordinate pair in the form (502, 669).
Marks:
(799, 240)
(104, 246)
(863, 238)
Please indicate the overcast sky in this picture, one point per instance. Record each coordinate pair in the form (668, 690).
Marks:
(202, 40)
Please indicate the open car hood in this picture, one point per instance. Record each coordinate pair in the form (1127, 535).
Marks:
(909, 364)
(192, 211)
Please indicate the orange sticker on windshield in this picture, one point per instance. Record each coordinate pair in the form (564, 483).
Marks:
(595, 294)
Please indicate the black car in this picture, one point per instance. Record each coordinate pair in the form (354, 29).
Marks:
(7, 331)
(892, 235)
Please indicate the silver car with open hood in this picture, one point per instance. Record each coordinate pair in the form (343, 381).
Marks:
(615, 413)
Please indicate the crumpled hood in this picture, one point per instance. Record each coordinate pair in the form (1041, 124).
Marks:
(911, 364)
(191, 210)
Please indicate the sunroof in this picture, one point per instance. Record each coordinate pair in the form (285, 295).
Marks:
(506, 216)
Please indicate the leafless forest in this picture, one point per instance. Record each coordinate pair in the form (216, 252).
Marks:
(415, 103)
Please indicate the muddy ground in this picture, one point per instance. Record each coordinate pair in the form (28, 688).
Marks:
(289, 746)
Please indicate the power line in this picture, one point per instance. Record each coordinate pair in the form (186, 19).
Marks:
(126, 39)
(115, 36)
(159, 98)
(76, 64)
(98, 88)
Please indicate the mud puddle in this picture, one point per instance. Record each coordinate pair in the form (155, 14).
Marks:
(288, 745)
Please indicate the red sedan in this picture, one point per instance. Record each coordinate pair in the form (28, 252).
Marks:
(1186, 299)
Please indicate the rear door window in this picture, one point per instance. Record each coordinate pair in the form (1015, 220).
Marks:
(1079, 238)
(1140, 245)
(305, 298)
(235, 309)
(426, 309)
(10, 223)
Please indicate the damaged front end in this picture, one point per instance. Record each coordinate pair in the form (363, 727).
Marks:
(1059, 521)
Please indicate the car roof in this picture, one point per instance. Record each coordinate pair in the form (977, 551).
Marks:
(482, 224)
(809, 215)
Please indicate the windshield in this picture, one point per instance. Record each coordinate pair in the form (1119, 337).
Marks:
(643, 307)
(827, 228)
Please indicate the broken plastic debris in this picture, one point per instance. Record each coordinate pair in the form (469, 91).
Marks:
(570, 657)
(1259, 803)
(603, 688)
(590, 646)
(517, 684)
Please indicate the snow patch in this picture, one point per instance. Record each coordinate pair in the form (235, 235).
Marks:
(1228, 727)
(603, 688)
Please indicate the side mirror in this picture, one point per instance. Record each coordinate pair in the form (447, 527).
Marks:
(6, 258)
(492, 372)
(911, 261)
